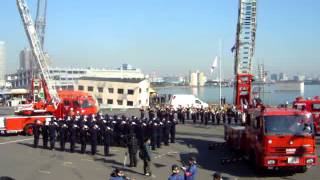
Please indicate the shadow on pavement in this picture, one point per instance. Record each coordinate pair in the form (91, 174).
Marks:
(200, 134)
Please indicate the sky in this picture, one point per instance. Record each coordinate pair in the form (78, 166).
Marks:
(167, 37)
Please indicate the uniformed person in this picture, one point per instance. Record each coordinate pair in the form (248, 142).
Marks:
(36, 133)
(83, 138)
(107, 138)
(63, 136)
(94, 140)
(52, 134)
(72, 137)
(45, 134)
(173, 131)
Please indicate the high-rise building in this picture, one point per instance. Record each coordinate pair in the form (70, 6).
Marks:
(2, 64)
(197, 79)
(283, 77)
(274, 77)
(202, 79)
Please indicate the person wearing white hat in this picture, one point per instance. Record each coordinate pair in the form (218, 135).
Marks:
(83, 138)
(94, 139)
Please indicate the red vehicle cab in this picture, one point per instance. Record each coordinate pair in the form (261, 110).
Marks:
(275, 138)
(311, 105)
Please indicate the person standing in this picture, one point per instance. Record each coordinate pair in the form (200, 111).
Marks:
(190, 173)
(146, 157)
(94, 139)
(132, 150)
(175, 173)
(63, 136)
(45, 135)
(107, 138)
(173, 131)
(83, 138)
(36, 133)
(72, 137)
(52, 134)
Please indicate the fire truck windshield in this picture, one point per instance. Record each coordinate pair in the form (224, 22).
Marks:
(85, 104)
(316, 106)
(294, 125)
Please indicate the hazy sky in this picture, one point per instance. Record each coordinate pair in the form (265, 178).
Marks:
(167, 36)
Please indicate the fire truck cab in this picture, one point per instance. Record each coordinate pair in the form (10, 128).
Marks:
(275, 138)
(310, 105)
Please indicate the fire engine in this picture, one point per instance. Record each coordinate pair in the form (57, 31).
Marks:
(310, 105)
(53, 103)
(270, 138)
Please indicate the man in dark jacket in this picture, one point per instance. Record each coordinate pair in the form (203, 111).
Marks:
(83, 138)
(63, 136)
(146, 157)
(73, 131)
(94, 139)
(107, 139)
(52, 134)
(36, 133)
(45, 135)
(133, 149)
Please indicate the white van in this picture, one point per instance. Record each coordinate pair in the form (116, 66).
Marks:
(186, 100)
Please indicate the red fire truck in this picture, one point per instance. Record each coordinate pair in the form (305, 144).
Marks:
(311, 105)
(53, 102)
(270, 138)
(275, 138)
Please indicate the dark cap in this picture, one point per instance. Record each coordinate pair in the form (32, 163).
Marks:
(173, 167)
(217, 175)
(192, 158)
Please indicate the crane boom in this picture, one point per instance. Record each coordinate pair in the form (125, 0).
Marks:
(37, 50)
(244, 51)
(40, 23)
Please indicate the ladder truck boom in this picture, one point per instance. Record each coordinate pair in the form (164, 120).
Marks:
(37, 50)
(244, 51)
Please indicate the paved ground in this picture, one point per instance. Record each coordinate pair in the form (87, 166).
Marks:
(19, 160)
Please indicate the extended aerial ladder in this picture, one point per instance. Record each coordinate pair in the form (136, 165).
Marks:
(244, 51)
(36, 46)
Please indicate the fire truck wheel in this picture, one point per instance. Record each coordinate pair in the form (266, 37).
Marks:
(302, 169)
(28, 131)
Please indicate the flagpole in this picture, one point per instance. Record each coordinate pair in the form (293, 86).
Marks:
(220, 77)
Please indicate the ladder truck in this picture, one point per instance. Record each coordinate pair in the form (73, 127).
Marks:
(56, 103)
(270, 138)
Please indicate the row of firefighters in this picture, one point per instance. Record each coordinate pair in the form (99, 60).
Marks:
(215, 115)
(104, 130)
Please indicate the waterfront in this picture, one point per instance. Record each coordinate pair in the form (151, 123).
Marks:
(270, 96)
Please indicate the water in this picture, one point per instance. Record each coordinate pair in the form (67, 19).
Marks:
(270, 96)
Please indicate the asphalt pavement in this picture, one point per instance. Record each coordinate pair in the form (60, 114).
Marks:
(18, 159)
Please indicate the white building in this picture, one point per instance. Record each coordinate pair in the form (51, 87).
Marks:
(65, 77)
(2, 64)
(116, 92)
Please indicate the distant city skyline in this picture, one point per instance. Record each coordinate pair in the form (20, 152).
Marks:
(167, 37)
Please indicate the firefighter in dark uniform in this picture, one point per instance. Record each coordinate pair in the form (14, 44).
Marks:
(72, 138)
(173, 131)
(166, 132)
(36, 133)
(45, 135)
(107, 138)
(154, 127)
(52, 134)
(94, 141)
(132, 150)
(159, 134)
(83, 138)
(63, 136)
